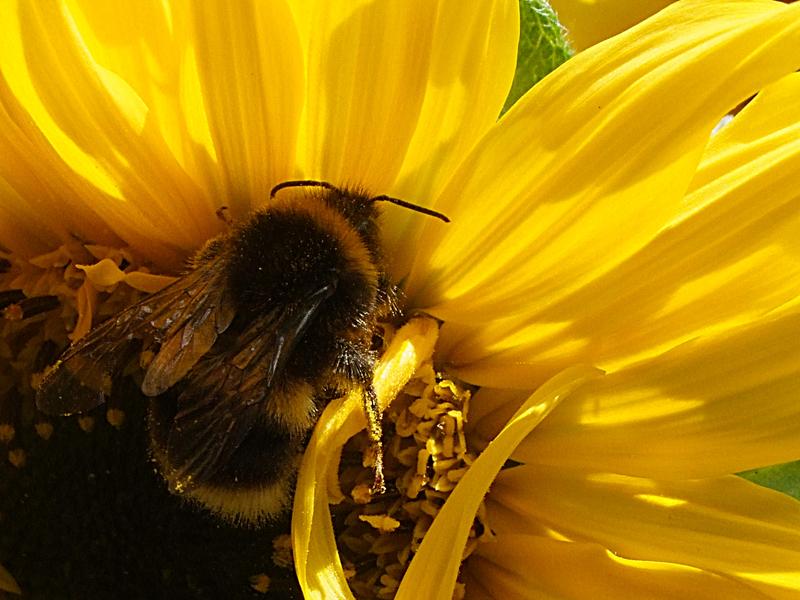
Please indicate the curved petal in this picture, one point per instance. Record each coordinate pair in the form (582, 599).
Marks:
(714, 406)
(394, 86)
(472, 63)
(563, 570)
(250, 68)
(436, 563)
(318, 567)
(148, 44)
(566, 187)
(317, 563)
(728, 525)
(731, 256)
(44, 202)
(592, 21)
(367, 70)
(96, 123)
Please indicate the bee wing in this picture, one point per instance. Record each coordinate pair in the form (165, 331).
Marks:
(205, 312)
(182, 321)
(225, 394)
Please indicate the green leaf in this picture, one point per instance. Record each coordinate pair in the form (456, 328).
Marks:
(542, 47)
(783, 478)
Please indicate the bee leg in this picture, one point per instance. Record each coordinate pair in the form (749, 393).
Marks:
(375, 433)
(356, 363)
(389, 297)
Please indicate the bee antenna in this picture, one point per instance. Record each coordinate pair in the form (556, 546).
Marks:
(301, 183)
(414, 207)
(329, 186)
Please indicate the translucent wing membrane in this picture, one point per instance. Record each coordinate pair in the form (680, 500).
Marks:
(179, 324)
(227, 391)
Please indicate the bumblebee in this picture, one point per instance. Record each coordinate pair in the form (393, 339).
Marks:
(239, 355)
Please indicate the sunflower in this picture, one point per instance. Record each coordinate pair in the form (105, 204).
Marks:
(617, 290)
(590, 21)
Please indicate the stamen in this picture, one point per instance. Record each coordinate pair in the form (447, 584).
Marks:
(17, 457)
(86, 422)
(7, 432)
(282, 551)
(426, 454)
(39, 309)
(260, 583)
(44, 429)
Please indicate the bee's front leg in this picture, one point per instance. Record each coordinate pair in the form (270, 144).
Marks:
(375, 433)
(356, 364)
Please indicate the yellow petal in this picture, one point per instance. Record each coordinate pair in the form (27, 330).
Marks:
(367, 66)
(566, 186)
(592, 21)
(147, 282)
(731, 256)
(766, 125)
(317, 564)
(472, 63)
(432, 573)
(577, 571)
(33, 179)
(489, 411)
(472, 60)
(251, 78)
(95, 122)
(105, 273)
(21, 231)
(727, 525)
(147, 43)
(714, 406)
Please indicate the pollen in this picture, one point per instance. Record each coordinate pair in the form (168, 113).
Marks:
(260, 583)
(17, 457)
(282, 551)
(7, 432)
(115, 417)
(86, 422)
(426, 454)
(44, 429)
(45, 303)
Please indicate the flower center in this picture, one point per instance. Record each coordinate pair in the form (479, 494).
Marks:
(425, 455)
(46, 302)
(82, 507)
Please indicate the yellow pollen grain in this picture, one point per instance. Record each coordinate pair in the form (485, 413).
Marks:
(68, 303)
(17, 457)
(260, 583)
(361, 493)
(13, 312)
(44, 429)
(426, 456)
(7, 432)
(383, 523)
(115, 417)
(282, 555)
(86, 423)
